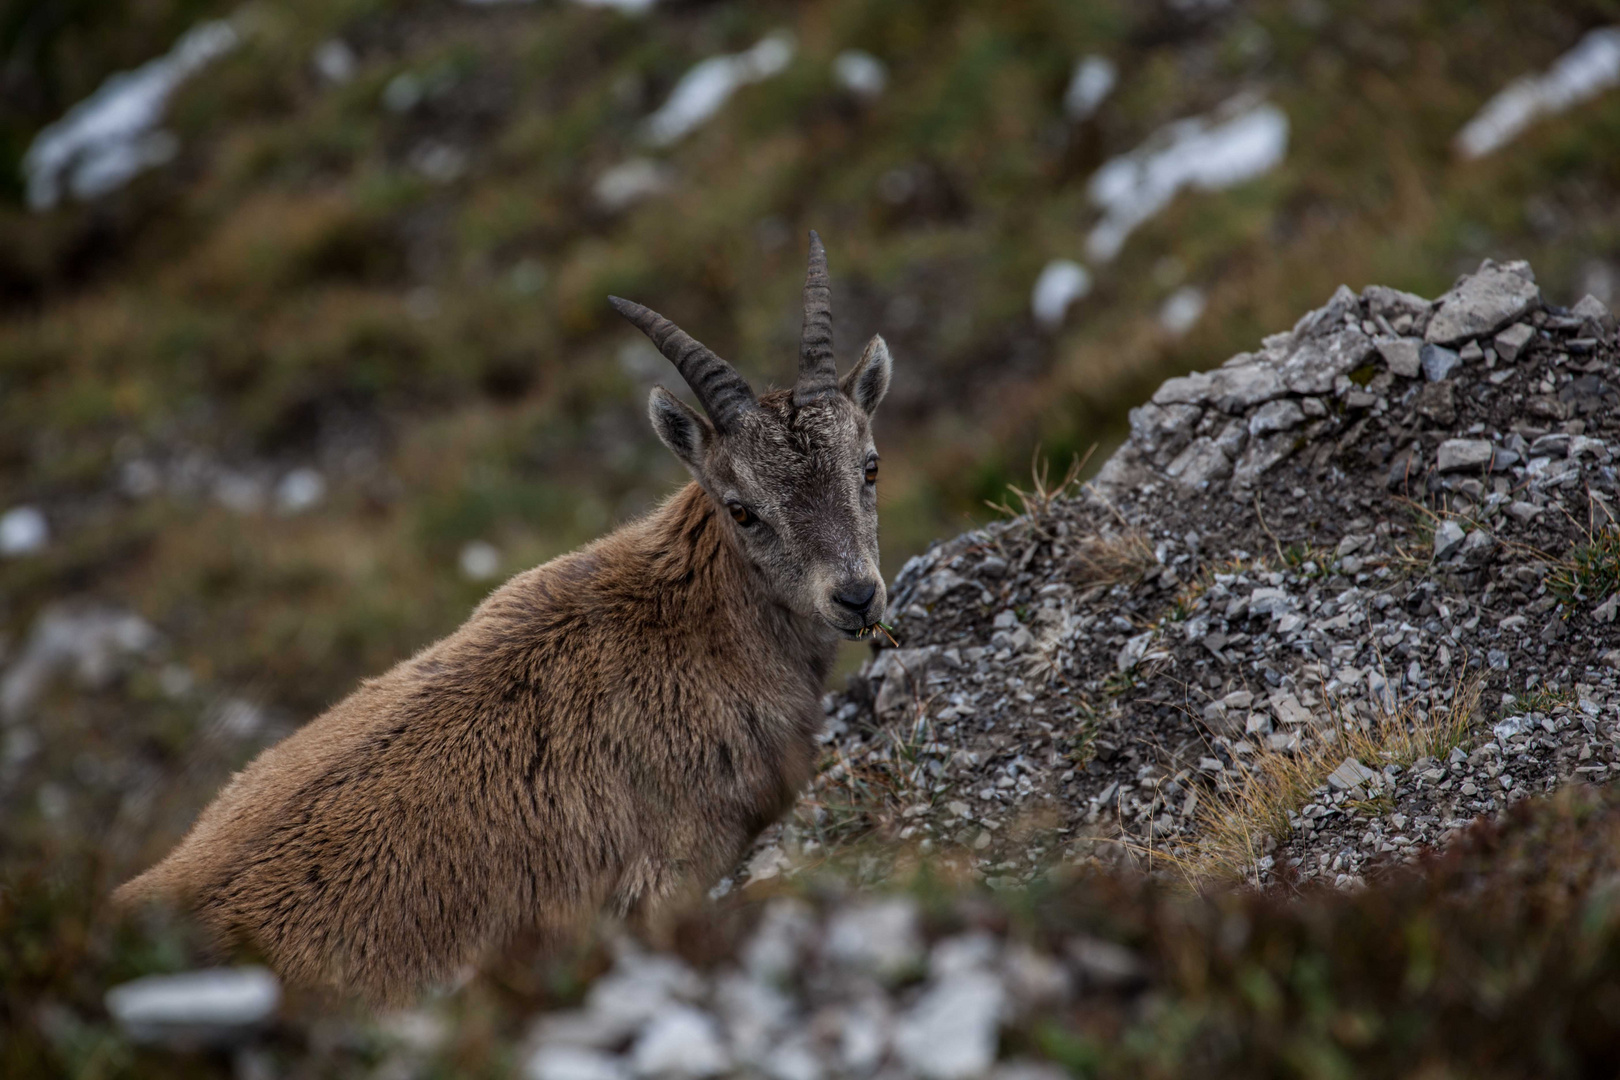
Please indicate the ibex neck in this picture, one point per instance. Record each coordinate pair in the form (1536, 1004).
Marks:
(698, 569)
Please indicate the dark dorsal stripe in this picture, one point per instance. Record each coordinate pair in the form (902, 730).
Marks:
(722, 392)
(818, 373)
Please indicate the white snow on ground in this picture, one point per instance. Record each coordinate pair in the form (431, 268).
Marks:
(634, 7)
(629, 182)
(1094, 78)
(1581, 74)
(860, 73)
(23, 531)
(1062, 282)
(1240, 140)
(704, 89)
(113, 135)
(194, 1003)
(1181, 309)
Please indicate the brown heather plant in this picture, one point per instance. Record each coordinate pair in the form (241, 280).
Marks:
(1236, 821)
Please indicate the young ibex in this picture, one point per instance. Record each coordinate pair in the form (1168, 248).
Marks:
(610, 729)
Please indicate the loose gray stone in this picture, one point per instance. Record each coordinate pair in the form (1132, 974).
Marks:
(1393, 303)
(1350, 774)
(1476, 550)
(1510, 342)
(1455, 455)
(573, 1063)
(1328, 316)
(1194, 389)
(1448, 537)
(1270, 602)
(1554, 444)
(1316, 363)
(680, 1042)
(1262, 456)
(1235, 390)
(1162, 430)
(1595, 312)
(1438, 363)
(1605, 612)
(1401, 356)
(1275, 416)
(1133, 650)
(1484, 302)
(880, 938)
(952, 1031)
(1200, 463)
(1232, 438)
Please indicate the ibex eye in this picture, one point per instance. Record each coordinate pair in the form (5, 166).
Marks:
(871, 470)
(740, 513)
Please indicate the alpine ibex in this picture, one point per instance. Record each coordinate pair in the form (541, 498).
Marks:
(610, 729)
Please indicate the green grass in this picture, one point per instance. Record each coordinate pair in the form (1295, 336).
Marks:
(1590, 573)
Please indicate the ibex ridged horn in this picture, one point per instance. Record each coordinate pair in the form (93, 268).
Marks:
(818, 373)
(722, 392)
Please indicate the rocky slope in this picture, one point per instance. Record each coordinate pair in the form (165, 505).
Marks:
(1388, 532)
(1328, 614)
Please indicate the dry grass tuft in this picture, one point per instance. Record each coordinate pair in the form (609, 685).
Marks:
(1037, 501)
(1236, 822)
(1111, 558)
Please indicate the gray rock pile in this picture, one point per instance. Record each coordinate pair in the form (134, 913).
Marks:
(1366, 533)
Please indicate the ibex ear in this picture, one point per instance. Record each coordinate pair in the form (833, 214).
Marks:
(868, 380)
(679, 427)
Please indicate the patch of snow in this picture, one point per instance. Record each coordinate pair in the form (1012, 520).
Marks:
(860, 73)
(217, 1003)
(1581, 74)
(480, 560)
(629, 182)
(710, 83)
(1094, 79)
(334, 61)
(1062, 282)
(439, 162)
(1181, 309)
(300, 490)
(630, 7)
(23, 531)
(403, 92)
(112, 136)
(1241, 140)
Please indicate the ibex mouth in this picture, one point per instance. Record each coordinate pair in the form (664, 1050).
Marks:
(878, 629)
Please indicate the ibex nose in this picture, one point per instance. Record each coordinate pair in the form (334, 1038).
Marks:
(855, 595)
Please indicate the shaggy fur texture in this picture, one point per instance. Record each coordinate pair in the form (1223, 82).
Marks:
(614, 726)
(610, 729)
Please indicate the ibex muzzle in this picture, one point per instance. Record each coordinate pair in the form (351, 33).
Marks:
(611, 728)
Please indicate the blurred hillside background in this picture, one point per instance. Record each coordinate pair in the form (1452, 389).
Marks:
(304, 341)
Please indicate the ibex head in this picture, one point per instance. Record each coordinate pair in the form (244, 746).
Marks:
(794, 472)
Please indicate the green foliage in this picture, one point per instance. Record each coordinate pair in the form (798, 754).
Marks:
(1590, 573)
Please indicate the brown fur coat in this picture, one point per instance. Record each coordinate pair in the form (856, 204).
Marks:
(613, 727)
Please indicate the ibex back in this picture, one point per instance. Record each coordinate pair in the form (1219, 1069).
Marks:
(611, 728)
